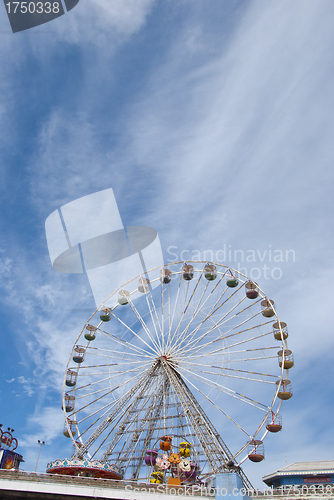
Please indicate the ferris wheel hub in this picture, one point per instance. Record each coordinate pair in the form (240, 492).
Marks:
(166, 358)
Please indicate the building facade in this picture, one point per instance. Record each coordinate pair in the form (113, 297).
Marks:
(301, 474)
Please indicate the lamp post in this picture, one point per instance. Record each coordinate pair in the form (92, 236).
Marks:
(40, 446)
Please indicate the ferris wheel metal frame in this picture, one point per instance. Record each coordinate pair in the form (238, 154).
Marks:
(151, 375)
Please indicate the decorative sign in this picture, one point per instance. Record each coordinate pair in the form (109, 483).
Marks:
(10, 460)
(317, 479)
(7, 441)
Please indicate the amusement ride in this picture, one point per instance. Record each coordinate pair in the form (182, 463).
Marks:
(169, 361)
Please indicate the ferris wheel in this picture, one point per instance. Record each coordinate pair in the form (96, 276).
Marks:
(174, 368)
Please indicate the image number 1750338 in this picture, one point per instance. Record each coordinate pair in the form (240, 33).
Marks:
(32, 7)
(24, 15)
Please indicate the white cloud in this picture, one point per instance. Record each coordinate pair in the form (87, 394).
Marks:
(27, 385)
(103, 23)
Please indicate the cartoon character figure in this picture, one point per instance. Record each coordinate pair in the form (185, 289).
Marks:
(174, 458)
(185, 449)
(163, 462)
(150, 457)
(166, 443)
(184, 465)
(157, 477)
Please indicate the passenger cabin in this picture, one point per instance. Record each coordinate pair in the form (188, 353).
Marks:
(285, 358)
(79, 354)
(274, 422)
(123, 297)
(252, 290)
(187, 272)
(280, 330)
(143, 286)
(267, 308)
(71, 378)
(165, 275)
(210, 272)
(231, 281)
(71, 429)
(105, 314)
(90, 332)
(285, 389)
(255, 450)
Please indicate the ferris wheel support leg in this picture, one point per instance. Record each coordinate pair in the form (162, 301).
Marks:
(229, 485)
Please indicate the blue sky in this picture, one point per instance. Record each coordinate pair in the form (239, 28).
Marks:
(212, 122)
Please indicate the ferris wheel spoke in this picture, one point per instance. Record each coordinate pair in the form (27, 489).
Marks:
(216, 326)
(182, 336)
(146, 329)
(226, 336)
(97, 374)
(183, 310)
(235, 376)
(222, 323)
(133, 362)
(134, 333)
(155, 321)
(77, 389)
(227, 391)
(194, 332)
(110, 376)
(167, 306)
(169, 313)
(224, 348)
(195, 342)
(96, 351)
(95, 412)
(175, 303)
(81, 370)
(238, 377)
(194, 291)
(120, 355)
(255, 349)
(162, 318)
(251, 359)
(239, 453)
(122, 342)
(158, 322)
(107, 393)
(145, 383)
(107, 408)
(199, 308)
(171, 335)
(234, 370)
(85, 367)
(218, 408)
(106, 437)
(111, 432)
(89, 394)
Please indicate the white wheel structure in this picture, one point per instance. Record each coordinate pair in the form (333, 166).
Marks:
(194, 351)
